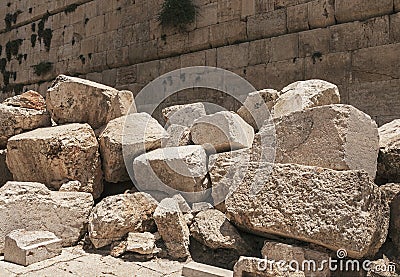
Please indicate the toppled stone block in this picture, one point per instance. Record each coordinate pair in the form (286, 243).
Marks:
(172, 228)
(394, 230)
(310, 204)
(184, 115)
(274, 251)
(141, 243)
(194, 269)
(213, 229)
(339, 137)
(222, 131)
(15, 120)
(28, 247)
(183, 205)
(303, 95)
(250, 266)
(257, 106)
(178, 136)
(67, 100)
(389, 153)
(174, 170)
(55, 155)
(5, 174)
(115, 216)
(33, 207)
(125, 138)
(28, 100)
(390, 191)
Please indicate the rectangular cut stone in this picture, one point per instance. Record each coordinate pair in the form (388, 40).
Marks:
(194, 269)
(285, 47)
(282, 73)
(267, 25)
(297, 18)
(321, 13)
(314, 42)
(346, 11)
(397, 5)
(28, 247)
(233, 56)
(310, 204)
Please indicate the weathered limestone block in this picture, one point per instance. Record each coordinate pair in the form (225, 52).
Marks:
(5, 174)
(172, 228)
(212, 228)
(321, 13)
(346, 11)
(305, 94)
(184, 115)
(201, 206)
(382, 268)
(339, 137)
(311, 204)
(33, 207)
(28, 100)
(125, 138)
(28, 247)
(56, 155)
(183, 205)
(72, 186)
(15, 120)
(274, 251)
(179, 135)
(389, 153)
(68, 99)
(222, 131)
(141, 243)
(176, 168)
(257, 106)
(117, 215)
(250, 266)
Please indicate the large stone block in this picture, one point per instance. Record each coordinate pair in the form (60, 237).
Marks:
(313, 42)
(194, 269)
(184, 115)
(297, 18)
(256, 108)
(227, 32)
(213, 229)
(222, 131)
(310, 204)
(5, 174)
(233, 56)
(178, 136)
(268, 24)
(117, 215)
(55, 155)
(304, 95)
(125, 138)
(339, 137)
(27, 247)
(173, 169)
(68, 98)
(172, 228)
(15, 120)
(321, 13)
(285, 47)
(34, 207)
(282, 73)
(389, 153)
(346, 11)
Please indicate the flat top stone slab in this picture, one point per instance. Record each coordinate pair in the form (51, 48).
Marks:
(194, 269)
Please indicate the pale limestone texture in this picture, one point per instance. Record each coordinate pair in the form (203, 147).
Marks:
(222, 131)
(257, 106)
(56, 155)
(311, 204)
(184, 115)
(117, 215)
(15, 120)
(28, 247)
(34, 207)
(68, 98)
(5, 174)
(179, 135)
(339, 137)
(141, 243)
(305, 94)
(124, 139)
(172, 228)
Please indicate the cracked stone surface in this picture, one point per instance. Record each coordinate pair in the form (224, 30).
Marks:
(74, 261)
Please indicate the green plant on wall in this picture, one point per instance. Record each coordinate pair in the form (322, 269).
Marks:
(177, 13)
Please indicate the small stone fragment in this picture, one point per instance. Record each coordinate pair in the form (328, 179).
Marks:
(141, 243)
(28, 100)
(28, 247)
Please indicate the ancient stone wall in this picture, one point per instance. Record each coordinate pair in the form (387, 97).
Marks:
(354, 44)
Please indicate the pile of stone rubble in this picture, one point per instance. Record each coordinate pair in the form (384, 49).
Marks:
(227, 189)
